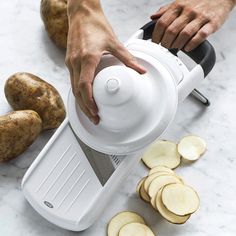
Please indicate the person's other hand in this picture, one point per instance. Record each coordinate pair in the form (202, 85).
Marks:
(89, 37)
(186, 24)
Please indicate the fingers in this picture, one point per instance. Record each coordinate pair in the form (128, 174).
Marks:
(127, 58)
(82, 69)
(163, 23)
(173, 30)
(183, 25)
(187, 33)
(85, 110)
(201, 35)
(83, 86)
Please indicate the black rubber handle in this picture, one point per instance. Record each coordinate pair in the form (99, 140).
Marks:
(203, 55)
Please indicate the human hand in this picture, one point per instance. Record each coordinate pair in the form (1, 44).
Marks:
(186, 24)
(89, 37)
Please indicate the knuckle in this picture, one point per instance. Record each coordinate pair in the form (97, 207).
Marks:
(191, 12)
(172, 30)
(90, 102)
(187, 33)
(203, 33)
(162, 23)
(90, 57)
(83, 52)
(82, 85)
(72, 58)
(178, 5)
(205, 17)
(132, 59)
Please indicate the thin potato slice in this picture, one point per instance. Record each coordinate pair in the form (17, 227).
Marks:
(136, 229)
(169, 216)
(121, 219)
(158, 183)
(151, 177)
(192, 147)
(162, 153)
(139, 185)
(160, 169)
(180, 199)
(143, 194)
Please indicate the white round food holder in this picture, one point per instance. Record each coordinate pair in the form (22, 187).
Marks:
(134, 109)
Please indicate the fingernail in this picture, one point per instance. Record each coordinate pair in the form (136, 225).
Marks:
(93, 120)
(187, 49)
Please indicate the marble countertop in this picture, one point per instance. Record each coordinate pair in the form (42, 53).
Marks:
(25, 47)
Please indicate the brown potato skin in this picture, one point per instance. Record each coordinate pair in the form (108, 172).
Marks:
(18, 130)
(54, 16)
(25, 91)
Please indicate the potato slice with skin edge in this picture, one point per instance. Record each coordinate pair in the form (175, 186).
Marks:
(143, 194)
(191, 147)
(151, 177)
(169, 216)
(158, 183)
(162, 153)
(122, 219)
(160, 169)
(136, 229)
(139, 185)
(180, 199)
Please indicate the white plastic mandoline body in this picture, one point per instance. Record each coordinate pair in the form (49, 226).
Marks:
(61, 184)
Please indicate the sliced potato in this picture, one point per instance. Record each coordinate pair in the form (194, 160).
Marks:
(136, 229)
(143, 194)
(162, 153)
(160, 169)
(169, 216)
(180, 199)
(139, 185)
(151, 177)
(158, 183)
(191, 147)
(121, 219)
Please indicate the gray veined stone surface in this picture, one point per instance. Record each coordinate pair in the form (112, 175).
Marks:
(25, 47)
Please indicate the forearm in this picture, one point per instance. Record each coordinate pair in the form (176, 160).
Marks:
(83, 6)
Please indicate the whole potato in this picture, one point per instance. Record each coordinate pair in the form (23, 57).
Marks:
(25, 91)
(54, 16)
(18, 130)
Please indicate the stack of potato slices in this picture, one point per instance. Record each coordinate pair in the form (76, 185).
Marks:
(168, 194)
(162, 187)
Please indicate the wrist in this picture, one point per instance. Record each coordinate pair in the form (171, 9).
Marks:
(84, 7)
